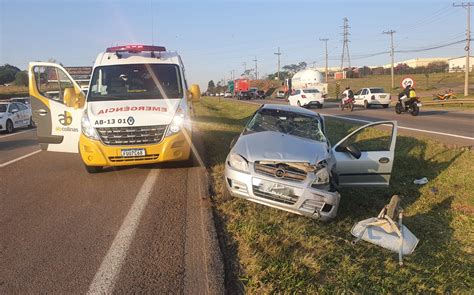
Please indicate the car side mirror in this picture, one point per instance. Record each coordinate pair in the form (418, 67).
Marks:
(351, 149)
(14, 111)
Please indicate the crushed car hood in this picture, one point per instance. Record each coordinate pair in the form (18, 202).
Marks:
(274, 146)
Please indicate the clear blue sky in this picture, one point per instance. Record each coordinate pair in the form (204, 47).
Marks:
(215, 37)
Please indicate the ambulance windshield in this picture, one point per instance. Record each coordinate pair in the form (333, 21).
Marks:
(135, 81)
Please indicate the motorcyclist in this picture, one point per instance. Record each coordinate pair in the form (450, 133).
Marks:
(404, 95)
(347, 94)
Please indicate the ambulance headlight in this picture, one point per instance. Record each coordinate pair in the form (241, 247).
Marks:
(87, 129)
(176, 123)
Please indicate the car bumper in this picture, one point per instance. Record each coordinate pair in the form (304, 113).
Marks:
(304, 200)
(314, 103)
(171, 148)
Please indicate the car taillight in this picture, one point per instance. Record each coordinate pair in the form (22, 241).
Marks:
(303, 96)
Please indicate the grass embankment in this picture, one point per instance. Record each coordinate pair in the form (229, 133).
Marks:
(268, 250)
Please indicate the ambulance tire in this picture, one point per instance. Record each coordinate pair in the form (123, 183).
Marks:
(93, 169)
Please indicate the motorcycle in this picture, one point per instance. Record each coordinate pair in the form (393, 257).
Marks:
(412, 106)
(347, 103)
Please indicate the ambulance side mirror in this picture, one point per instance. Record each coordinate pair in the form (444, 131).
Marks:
(72, 98)
(195, 92)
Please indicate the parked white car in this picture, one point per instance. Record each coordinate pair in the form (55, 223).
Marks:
(368, 97)
(306, 98)
(227, 94)
(280, 94)
(14, 115)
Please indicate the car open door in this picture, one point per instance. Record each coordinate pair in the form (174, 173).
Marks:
(57, 105)
(365, 157)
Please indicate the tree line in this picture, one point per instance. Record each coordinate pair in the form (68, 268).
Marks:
(12, 75)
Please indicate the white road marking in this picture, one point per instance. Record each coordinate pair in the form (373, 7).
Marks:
(19, 158)
(401, 127)
(16, 133)
(104, 279)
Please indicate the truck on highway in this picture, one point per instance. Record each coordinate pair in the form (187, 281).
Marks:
(241, 85)
(137, 109)
(306, 79)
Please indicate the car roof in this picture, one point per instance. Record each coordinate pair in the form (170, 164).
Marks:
(288, 108)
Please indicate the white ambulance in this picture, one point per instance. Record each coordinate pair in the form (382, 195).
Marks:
(137, 109)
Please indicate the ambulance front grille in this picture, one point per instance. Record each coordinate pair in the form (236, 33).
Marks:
(131, 135)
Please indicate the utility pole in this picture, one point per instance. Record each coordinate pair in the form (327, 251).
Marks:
(345, 44)
(278, 54)
(256, 69)
(467, 6)
(325, 40)
(245, 68)
(391, 32)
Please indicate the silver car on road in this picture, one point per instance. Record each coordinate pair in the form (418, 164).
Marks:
(284, 160)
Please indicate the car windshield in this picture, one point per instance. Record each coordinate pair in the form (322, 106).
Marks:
(135, 81)
(311, 91)
(287, 122)
(377, 90)
(3, 108)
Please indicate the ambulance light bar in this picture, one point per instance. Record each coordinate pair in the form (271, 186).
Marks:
(135, 48)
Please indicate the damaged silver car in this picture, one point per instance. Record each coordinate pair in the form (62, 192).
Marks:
(283, 159)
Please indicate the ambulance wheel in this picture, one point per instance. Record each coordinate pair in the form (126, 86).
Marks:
(93, 169)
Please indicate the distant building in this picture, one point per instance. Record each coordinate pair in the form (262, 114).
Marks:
(418, 62)
(458, 64)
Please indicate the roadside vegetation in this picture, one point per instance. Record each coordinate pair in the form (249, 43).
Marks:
(270, 251)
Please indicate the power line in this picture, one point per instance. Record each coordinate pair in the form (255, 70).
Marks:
(345, 45)
(467, 6)
(278, 54)
(391, 32)
(325, 40)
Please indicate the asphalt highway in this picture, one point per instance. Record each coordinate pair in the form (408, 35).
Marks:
(141, 229)
(451, 126)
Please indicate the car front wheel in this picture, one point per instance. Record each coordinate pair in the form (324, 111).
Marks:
(9, 126)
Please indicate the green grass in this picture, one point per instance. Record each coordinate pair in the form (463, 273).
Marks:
(271, 251)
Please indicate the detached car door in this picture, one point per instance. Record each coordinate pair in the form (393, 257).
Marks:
(365, 157)
(57, 104)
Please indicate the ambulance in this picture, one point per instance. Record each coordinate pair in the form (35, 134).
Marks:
(137, 109)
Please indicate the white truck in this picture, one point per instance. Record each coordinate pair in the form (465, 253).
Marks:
(368, 97)
(307, 79)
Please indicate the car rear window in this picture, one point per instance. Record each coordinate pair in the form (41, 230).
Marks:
(377, 90)
(310, 90)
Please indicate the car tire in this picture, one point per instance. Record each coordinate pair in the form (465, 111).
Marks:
(31, 124)
(385, 106)
(93, 169)
(320, 106)
(226, 195)
(366, 104)
(9, 126)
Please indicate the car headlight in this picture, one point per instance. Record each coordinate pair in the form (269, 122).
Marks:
(238, 162)
(322, 179)
(87, 129)
(176, 123)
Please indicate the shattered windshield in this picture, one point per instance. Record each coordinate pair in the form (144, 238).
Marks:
(287, 122)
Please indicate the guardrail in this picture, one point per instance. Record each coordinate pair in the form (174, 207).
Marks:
(459, 101)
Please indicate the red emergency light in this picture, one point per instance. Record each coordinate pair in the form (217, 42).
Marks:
(135, 48)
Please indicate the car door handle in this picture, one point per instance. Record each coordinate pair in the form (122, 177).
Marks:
(384, 160)
(41, 112)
